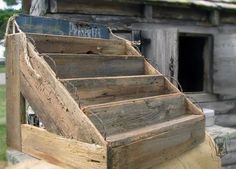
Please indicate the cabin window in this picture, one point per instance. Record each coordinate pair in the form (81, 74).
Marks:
(194, 63)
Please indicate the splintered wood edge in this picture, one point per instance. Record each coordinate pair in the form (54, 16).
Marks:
(60, 151)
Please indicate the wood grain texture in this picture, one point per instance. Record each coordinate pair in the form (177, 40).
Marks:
(14, 100)
(149, 69)
(53, 104)
(177, 138)
(90, 65)
(162, 51)
(225, 65)
(133, 114)
(77, 45)
(97, 7)
(64, 152)
(89, 91)
(130, 50)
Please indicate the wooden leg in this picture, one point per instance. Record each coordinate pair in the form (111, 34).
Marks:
(14, 99)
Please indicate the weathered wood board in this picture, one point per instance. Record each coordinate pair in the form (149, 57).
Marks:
(90, 65)
(14, 100)
(64, 152)
(95, 7)
(158, 148)
(225, 65)
(76, 45)
(126, 116)
(89, 91)
(162, 50)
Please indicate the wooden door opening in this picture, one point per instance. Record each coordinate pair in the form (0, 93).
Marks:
(194, 63)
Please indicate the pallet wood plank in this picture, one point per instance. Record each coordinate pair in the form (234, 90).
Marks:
(55, 107)
(71, 44)
(60, 151)
(90, 65)
(100, 90)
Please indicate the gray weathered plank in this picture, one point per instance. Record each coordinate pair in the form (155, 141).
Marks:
(71, 44)
(128, 115)
(225, 65)
(97, 7)
(162, 50)
(90, 65)
(99, 90)
(175, 138)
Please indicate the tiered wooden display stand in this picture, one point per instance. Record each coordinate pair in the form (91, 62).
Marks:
(102, 104)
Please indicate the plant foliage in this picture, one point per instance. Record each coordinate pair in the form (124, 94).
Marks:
(10, 2)
(4, 16)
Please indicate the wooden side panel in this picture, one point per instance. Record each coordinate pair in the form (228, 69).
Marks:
(53, 104)
(224, 76)
(129, 115)
(88, 65)
(60, 151)
(68, 44)
(159, 148)
(14, 100)
(100, 90)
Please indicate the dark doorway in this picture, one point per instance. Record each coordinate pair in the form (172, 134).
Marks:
(191, 63)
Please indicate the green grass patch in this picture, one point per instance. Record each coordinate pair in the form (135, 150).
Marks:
(2, 68)
(2, 122)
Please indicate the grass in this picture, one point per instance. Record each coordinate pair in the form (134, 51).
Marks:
(2, 68)
(2, 123)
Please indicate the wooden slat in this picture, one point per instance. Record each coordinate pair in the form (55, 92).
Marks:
(99, 90)
(129, 115)
(71, 44)
(60, 151)
(89, 65)
(53, 104)
(14, 100)
(174, 138)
